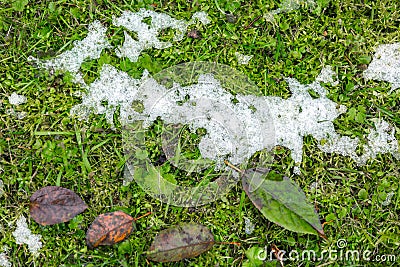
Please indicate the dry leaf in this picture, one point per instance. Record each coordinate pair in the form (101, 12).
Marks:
(109, 229)
(54, 204)
(180, 242)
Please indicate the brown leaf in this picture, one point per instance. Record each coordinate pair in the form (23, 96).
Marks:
(109, 228)
(54, 204)
(180, 242)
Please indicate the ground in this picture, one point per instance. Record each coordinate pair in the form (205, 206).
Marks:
(50, 147)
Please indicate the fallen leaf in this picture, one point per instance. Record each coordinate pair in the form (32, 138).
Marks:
(54, 204)
(180, 242)
(109, 229)
(281, 201)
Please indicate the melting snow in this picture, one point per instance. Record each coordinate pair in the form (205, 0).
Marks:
(243, 59)
(327, 75)
(288, 6)
(16, 99)
(381, 140)
(385, 65)
(94, 43)
(88, 48)
(23, 235)
(147, 34)
(18, 115)
(114, 87)
(248, 226)
(4, 260)
(388, 199)
(293, 118)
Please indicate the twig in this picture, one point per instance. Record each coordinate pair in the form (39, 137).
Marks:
(230, 243)
(251, 23)
(233, 166)
(144, 215)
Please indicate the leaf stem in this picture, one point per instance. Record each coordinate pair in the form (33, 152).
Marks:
(233, 166)
(140, 217)
(229, 243)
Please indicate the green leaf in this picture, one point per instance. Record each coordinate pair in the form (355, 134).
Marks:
(19, 5)
(363, 194)
(365, 59)
(52, 7)
(141, 154)
(282, 202)
(253, 254)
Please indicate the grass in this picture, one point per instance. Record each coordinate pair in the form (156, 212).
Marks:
(49, 147)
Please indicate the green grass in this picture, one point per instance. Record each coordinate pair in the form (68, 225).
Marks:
(49, 147)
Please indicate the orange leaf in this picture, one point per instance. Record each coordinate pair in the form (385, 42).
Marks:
(109, 229)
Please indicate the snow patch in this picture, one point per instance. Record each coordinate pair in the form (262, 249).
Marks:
(385, 65)
(388, 199)
(299, 115)
(16, 99)
(288, 6)
(381, 140)
(88, 48)
(96, 40)
(296, 170)
(234, 131)
(243, 59)
(19, 115)
(293, 118)
(23, 235)
(248, 226)
(112, 89)
(201, 17)
(4, 260)
(147, 35)
(327, 75)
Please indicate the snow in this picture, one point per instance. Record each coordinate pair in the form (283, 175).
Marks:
(4, 260)
(327, 76)
(385, 65)
(388, 199)
(201, 17)
(16, 99)
(19, 115)
(381, 140)
(243, 59)
(235, 131)
(296, 170)
(147, 35)
(248, 226)
(287, 6)
(71, 60)
(114, 87)
(299, 115)
(23, 235)
(232, 129)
